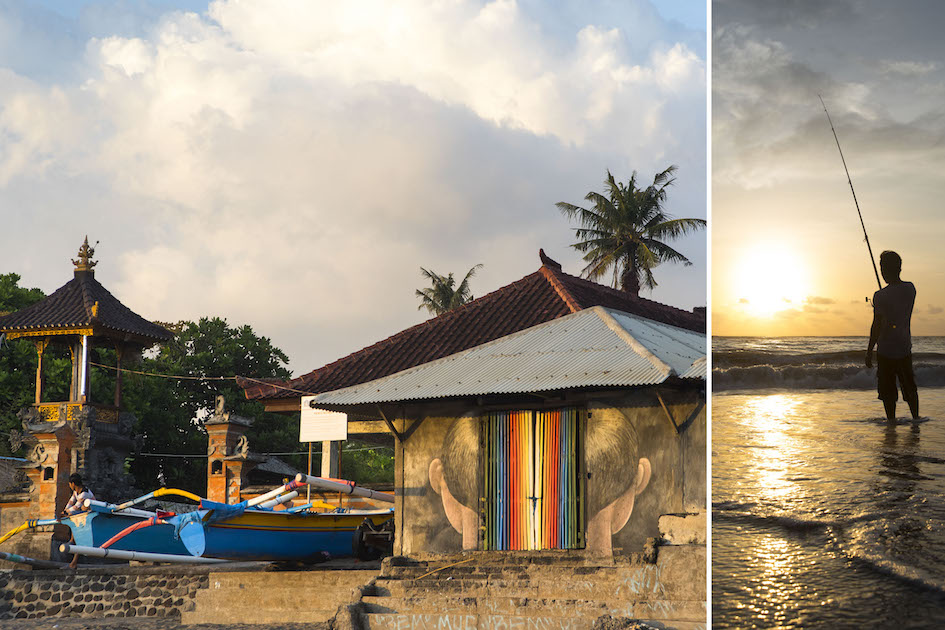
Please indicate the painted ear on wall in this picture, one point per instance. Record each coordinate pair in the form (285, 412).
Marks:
(463, 519)
(450, 505)
(623, 506)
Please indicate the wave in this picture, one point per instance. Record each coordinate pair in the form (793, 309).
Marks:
(729, 511)
(860, 539)
(741, 358)
(827, 375)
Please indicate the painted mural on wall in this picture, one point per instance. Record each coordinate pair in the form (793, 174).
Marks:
(634, 463)
(454, 479)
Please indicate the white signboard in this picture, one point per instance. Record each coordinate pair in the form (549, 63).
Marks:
(321, 426)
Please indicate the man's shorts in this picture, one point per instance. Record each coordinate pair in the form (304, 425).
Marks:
(888, 370)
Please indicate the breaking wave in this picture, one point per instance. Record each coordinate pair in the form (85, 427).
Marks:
(824, 370)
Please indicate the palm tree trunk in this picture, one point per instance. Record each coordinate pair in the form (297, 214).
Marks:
(630, 278)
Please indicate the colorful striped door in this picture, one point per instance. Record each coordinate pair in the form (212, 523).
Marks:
(532, 480)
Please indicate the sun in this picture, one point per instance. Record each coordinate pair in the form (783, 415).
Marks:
(771, 278)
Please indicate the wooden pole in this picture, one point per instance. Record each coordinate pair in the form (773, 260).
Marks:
(40, 350)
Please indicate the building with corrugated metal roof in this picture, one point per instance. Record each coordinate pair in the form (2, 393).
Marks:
(552, 414)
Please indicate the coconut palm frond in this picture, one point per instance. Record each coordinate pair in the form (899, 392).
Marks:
(443, 295)
(622, 229)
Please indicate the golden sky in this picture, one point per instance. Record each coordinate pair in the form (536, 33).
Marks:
(788, 254)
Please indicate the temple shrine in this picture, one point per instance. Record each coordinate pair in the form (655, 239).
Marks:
(90, 437)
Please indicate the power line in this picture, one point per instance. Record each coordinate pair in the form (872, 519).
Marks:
(202, 378)
(347, 450)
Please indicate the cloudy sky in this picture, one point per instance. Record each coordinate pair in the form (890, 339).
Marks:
(789, 256)
(292, 164)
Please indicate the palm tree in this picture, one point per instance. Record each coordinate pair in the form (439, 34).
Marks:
(441, 296)
(625, 231)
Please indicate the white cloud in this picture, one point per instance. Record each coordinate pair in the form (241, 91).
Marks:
(293, 164)
(910, 69)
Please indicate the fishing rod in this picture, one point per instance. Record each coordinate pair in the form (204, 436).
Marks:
(850, 181)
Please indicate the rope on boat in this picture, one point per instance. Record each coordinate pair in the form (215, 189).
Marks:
(154, 520)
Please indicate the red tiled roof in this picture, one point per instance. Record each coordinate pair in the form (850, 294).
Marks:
(71, 306)
(539, 297)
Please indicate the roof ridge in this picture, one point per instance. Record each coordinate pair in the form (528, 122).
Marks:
(624, 294)
(551, 276)
(86, 288)
(607, 317)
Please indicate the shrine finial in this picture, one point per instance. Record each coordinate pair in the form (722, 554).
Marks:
(85, 262)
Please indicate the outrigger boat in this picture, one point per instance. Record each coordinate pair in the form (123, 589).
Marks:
(250, 530)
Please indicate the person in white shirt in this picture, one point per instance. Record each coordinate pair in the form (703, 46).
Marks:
(892, 336)
(79, 494)
(76, 504)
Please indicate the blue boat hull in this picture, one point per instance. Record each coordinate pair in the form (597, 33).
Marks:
(278, 535)
(93, 529)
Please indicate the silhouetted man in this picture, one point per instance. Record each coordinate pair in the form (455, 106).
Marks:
(892, 312)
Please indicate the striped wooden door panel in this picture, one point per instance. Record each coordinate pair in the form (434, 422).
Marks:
(532, 480)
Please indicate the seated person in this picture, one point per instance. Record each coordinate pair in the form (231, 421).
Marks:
(76, 504)
(79, 494)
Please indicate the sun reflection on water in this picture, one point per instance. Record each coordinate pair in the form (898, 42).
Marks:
(768, 417)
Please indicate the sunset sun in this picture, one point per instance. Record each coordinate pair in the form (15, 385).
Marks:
(770, 278)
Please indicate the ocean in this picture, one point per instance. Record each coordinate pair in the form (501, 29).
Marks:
(824, 514)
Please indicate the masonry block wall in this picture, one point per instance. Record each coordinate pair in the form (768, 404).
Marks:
(38, 594)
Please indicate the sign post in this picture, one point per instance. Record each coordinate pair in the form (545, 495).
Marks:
(327, 427)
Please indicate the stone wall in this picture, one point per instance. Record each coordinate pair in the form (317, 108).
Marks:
(145, 592)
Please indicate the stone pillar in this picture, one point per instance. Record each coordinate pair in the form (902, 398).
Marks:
(49, 467)
(228, 458)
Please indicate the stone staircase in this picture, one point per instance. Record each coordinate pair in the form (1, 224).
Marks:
(537, 592)
(267, 597)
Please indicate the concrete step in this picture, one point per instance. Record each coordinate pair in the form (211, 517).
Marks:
(250, 600)
(262, 616)
(644, 587)
(535, 571)
(525, 607)
(676, 610)
(298, 579)
(459, 621)
(470, 621)
(276, 597)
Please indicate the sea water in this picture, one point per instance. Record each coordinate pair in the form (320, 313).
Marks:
(824, 514)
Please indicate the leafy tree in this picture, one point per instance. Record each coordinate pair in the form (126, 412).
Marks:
(17, 361)
(625, 229)
(170, 411)
(367, 463)
(441, 296)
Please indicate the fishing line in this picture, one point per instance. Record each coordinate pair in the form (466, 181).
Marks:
(850, 181)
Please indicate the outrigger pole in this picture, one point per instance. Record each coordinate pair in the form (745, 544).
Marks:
(850, 181)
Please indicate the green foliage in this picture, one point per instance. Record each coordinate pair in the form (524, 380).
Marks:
(170, 411)
(14, 297)
(624, 231)
(17, 361)
(443, 295)
(367, 464)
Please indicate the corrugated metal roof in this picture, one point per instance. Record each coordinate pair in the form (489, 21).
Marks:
(594, 347)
